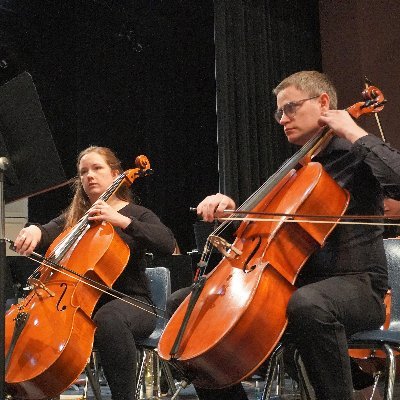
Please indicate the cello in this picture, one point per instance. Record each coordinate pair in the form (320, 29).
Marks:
(224, 320)
(49, 335)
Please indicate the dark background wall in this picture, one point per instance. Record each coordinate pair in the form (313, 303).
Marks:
(361, 38)
(136, 76)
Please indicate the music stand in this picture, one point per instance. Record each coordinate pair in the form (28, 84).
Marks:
(29, 164)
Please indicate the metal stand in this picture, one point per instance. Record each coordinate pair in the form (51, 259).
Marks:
(29, 165)
(3, 265)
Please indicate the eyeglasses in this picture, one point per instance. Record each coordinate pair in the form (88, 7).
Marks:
(290, 109)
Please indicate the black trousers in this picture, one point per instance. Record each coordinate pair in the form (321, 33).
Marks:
(322, 316)
(119, 324)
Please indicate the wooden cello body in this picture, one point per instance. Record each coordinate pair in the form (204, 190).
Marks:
(241, 312)
(56, 342)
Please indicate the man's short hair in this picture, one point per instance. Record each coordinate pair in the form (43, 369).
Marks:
(312, 82)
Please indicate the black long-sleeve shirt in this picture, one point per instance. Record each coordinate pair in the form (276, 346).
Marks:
(369, 169)
(145, 233)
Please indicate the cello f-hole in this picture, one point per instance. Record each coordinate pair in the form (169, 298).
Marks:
(64, 307)
(253, 252)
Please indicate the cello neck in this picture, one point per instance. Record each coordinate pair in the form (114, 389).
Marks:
(301, 157)
(112, 188)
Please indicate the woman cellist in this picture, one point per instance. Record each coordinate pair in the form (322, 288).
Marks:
(118, 322)
(341, 287)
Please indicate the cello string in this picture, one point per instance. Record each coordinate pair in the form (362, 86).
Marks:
(225, 224)
(270, 183)
(69, 241)
(279, 175)
(36, 257)
(288, 165)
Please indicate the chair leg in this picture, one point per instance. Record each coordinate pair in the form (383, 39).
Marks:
(155, 374)
(94, 379)
(168, 375)
(275, 371)
(306, 391)
(280, 375)
(271, 371)
(148, 382)
(390, 372)
(142, 357)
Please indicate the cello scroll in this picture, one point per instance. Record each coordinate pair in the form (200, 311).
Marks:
(374, 101)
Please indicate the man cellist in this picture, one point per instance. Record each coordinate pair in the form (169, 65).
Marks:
(342, 285)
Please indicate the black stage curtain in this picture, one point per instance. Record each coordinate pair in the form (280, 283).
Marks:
(138, 77)
(257, 43)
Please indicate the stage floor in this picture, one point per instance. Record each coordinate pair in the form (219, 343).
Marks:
(252, 387)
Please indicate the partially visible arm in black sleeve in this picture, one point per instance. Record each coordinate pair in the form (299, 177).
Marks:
(49, 232)
(147, 229)
(384, 162)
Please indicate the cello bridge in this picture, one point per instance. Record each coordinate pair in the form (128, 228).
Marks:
(224, 246)
(38, 284)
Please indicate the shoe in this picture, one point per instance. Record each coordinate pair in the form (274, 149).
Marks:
(361, 379)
